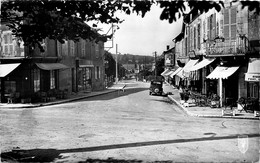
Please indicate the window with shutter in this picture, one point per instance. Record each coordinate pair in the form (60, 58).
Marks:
(194, 37)
(233, 20)
(233, 31)
(199, 36)
(6, 39)
(208, 28)
(226, 16)
(226, 32)
(233, 15)
(213, 17)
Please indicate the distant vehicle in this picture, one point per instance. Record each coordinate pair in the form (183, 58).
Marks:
(156, 87)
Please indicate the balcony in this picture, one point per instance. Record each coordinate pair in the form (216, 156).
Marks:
(222, 47)
(226, 49)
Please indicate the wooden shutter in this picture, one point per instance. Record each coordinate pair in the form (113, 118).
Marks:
(214, 24)
(199, 36)
(233, 21)
(208, 28)
(194, 38)
(226, 24)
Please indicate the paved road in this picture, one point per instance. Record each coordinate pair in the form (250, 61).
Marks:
(132, 125)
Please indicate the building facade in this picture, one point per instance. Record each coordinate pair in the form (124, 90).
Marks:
(217, 49)
(27, 73)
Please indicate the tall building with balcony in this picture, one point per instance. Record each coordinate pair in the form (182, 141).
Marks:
(221, 52)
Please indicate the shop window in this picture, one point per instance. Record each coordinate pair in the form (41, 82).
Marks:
(253, 90)
(52, 79)
(36, 80)
(10, 86)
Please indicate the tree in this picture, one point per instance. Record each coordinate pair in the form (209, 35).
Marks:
(110, 69)
(32, 21)
(159, 65)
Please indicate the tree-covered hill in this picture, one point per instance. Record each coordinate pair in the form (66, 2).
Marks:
(131, 59)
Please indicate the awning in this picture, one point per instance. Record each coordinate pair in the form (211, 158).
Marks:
(168, 73)
(175, 72)
(202, 64)
(164, 72)
(189, 65)
(5, 69)
(253, 71)
(222, 72)
(184, 72)
(88, 66)
(51, 66)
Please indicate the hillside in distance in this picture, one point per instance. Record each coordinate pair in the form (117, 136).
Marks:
(131, 59)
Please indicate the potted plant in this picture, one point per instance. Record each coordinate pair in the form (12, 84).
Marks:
(186, 96)
(241, 104)
(214, 101)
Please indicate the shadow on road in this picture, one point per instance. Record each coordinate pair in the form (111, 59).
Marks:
(116, 94)
(47, 155)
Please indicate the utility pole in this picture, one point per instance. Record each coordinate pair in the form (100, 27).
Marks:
(116, 66)
(155, 68)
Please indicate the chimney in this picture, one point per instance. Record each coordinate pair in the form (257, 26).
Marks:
(167, 47)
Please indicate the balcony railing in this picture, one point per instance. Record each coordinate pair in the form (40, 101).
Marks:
(220, 46)
(223, 48)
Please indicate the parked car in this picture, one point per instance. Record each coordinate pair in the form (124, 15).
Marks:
(156, 87)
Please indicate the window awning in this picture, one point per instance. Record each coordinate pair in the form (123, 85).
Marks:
(168, 73)
(87, 66)
(51, 66)
(184, 72)
(253, 71)
(175, 72)
(5, 69)
(164, 72)
(189, 65)
(202, 64)
(222, 72)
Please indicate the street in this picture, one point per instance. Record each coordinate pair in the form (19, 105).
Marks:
(128, 126)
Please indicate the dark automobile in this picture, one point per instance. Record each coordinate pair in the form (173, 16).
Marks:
(156, 87)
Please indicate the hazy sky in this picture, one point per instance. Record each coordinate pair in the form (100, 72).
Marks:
(143, 36)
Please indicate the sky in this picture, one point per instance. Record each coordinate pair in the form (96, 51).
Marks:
(143, 36)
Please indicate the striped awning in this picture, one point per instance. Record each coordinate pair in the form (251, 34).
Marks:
(185, 71)
(222, 72)
(202, 64)
(164, 72)
(175, 72)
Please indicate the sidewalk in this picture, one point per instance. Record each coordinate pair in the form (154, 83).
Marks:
(203, 111)
(73, 97)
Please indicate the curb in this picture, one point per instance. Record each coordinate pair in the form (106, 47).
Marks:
(61, 102)
(207, 116)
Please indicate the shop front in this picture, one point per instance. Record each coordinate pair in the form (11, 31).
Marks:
(84, 78)
(227, 83)
(252, 78)
(8, 83)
